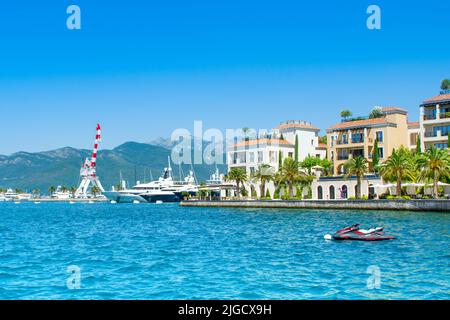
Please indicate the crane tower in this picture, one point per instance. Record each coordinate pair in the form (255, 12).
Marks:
(88, 171)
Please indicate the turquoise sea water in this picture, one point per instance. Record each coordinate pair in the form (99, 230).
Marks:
(168, 252)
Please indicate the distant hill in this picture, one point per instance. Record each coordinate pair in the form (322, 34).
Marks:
(41, 170)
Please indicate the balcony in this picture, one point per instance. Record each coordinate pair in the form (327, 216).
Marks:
(342, 157)
(339, 142)
(358, 140)
(444, 115)
(435, 135)
(429, 117)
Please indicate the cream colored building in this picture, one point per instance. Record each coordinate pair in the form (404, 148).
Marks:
(413, 135)
(349, 139)
(435, 121)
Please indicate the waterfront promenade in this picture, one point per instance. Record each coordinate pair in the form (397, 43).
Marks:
(407, 205)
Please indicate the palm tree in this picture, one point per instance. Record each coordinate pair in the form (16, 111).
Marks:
(445, 84)
(72, 191)
(263, 174)
(95, 190)
(398, 167)
(52, 190)
(64, 189)
(356, 167)
(238, 175)
(291, 175)
(280, 184)
(345, 114)
(376, 112)
(436, 165)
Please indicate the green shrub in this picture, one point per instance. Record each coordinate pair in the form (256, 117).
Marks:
(276, 194)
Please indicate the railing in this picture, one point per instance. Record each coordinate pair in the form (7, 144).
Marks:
(431, 134)
(342, 142)
(358, 140)
(429, 117)
(342, 157)
(444, 115)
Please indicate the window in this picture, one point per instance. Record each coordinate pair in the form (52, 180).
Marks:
(441, 145)
(413, 139)
(430, 114)
(332, 194)
(380, 153)
(240, 157)
(260, 156)
(252, 157)
(234, 158)
(319, 193)
(379, 136)
(291, 155)
(273, 156)
(357, 137)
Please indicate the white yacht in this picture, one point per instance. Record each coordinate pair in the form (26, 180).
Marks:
(164, 189)
(60, 194)
(10, 195)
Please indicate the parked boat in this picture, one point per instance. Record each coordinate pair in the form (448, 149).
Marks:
(10, 195)
(164, 189)
(60, 194)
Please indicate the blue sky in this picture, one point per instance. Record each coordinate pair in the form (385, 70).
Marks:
(145, 68)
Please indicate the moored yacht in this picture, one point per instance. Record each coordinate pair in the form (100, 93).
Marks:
(164, 189)
(10, 195)
(61, 194)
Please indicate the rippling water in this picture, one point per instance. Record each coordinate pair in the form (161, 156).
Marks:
(167, 252)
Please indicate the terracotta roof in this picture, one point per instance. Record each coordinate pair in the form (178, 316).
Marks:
(413, 124)
(309, 126)
(360, 123)
(388, 109)
(441, 97)
(255, 142)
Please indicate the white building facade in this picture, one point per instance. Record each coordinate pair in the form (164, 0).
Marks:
(435, 121)
(249, 154)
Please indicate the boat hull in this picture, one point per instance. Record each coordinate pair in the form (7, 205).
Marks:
(152, 198)
(123, 197)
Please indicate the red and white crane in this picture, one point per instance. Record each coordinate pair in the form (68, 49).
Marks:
(88, 171)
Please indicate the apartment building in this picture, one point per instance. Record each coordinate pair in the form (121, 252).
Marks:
(250, 153)
(435, 121)
(352, 138)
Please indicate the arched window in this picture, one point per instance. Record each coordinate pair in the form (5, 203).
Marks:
(332, 193)
(319, 193)
(344, 194)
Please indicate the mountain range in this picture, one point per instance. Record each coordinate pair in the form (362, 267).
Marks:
(61, 167)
